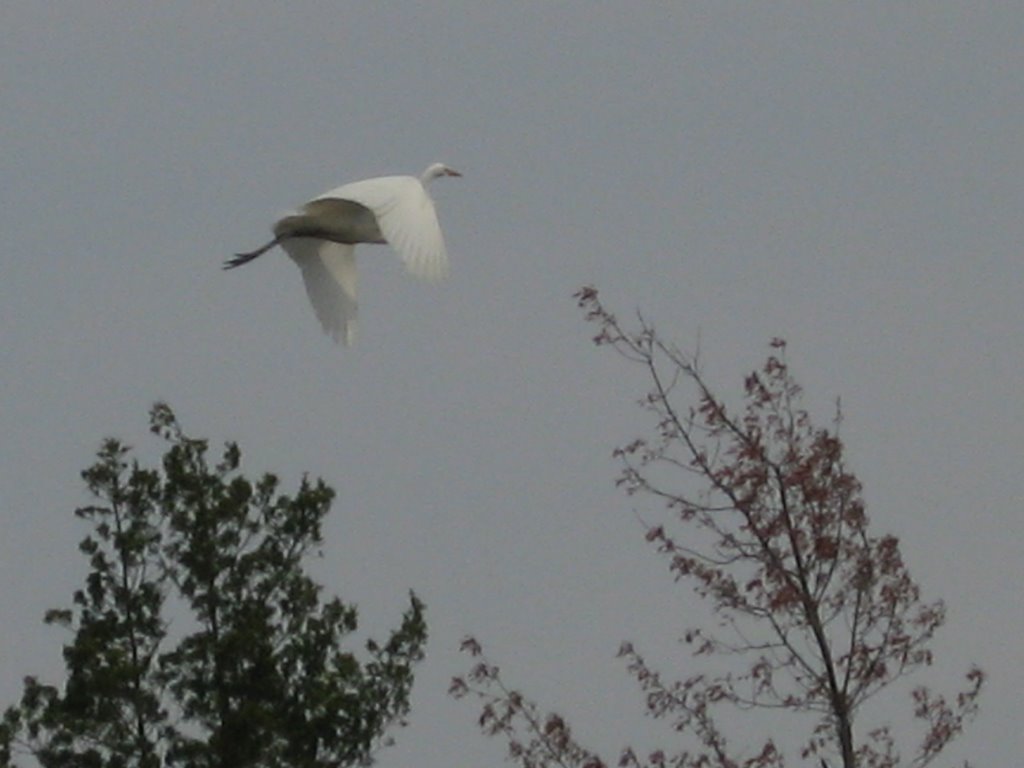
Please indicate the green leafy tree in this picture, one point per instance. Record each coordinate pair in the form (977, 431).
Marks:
(198, 639)
(816, 614)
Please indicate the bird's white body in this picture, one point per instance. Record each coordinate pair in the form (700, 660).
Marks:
(322, 234)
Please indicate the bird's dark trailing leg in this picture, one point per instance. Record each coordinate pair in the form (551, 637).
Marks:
(245, 258)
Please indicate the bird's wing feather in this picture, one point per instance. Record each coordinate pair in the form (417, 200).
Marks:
(407, 219)
(329, 272)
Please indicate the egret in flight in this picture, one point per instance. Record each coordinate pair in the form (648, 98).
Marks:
(321, 237)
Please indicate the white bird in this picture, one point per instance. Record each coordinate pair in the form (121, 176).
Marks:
(321, 237)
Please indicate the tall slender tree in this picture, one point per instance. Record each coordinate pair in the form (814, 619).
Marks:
(198, 639)
(766, 524)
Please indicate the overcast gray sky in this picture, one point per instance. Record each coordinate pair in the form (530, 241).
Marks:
(848, 176)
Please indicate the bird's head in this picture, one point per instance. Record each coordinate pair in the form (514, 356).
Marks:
(436, 170)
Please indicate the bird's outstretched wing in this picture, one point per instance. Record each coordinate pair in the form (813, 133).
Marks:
(407, 219)
(329, 272)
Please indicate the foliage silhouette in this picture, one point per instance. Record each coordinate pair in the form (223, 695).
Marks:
(198, 639)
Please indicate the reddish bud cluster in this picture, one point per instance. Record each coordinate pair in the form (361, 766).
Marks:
(770, 528)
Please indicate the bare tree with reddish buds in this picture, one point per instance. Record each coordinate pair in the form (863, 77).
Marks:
(768, 526)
